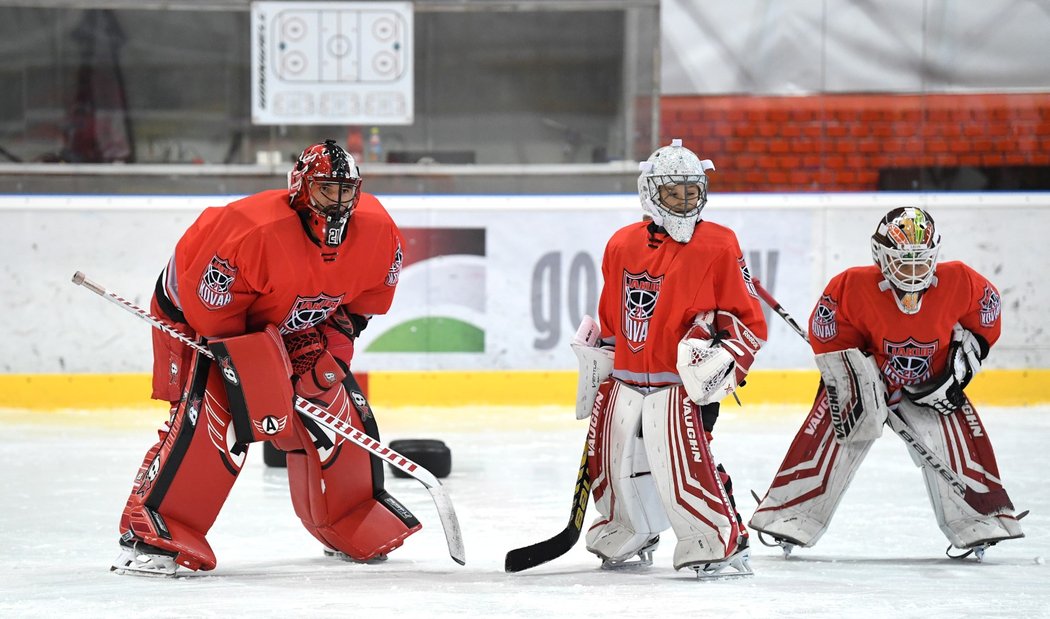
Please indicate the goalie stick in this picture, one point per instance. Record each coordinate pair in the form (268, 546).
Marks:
(443, 503)
(541, 552)
(897, 423)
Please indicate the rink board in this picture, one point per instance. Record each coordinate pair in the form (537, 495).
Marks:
(495, 388)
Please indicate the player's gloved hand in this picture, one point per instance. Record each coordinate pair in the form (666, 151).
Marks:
(314, 369)
(944, 394)
(715, 355)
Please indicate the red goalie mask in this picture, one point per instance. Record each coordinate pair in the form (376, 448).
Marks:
(324, 187)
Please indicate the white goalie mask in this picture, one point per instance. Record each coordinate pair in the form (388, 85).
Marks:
(905, 246)
(672, 187)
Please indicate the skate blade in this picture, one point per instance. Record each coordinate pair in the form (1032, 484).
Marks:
(736, 566)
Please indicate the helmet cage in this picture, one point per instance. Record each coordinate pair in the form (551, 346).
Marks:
(910, 269)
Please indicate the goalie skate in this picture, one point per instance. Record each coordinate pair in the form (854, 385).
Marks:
(342, 556)
(644, 557)
(141, 559)
(734, 566)
(977, 550)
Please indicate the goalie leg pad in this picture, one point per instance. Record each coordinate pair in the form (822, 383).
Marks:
(185, 478)
(257, 378)
(630, 512)
(980, 513)
(856, 394)
(811, 481)
(337, 489)
(691, 486)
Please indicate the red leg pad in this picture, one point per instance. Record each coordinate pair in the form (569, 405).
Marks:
(337, 490)
(185, 478)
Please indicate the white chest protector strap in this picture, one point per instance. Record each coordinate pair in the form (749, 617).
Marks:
(596, 364)
(856, 394)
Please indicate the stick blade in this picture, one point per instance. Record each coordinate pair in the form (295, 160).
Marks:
(449, 523)
(521, 559)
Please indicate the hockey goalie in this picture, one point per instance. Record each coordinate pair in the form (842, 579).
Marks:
(680, 326)
(897, 343)
(279, 284)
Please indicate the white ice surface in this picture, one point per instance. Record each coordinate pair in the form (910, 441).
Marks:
(65, 477)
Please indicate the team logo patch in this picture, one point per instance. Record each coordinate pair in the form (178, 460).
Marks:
(362, 405)
(228, 373)
(394, 273)
(640, 293)
(270, 425)
(990, 307)
(747, 277)
(823, 325)
(309, 312)
(909, 361)
(215, 284)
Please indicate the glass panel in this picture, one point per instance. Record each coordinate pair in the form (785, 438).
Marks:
(172, 86)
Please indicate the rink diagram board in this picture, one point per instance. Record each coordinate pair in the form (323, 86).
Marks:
(327, 63)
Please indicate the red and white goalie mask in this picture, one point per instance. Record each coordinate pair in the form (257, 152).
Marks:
(905, 246)
(673, 189)
(324, 187)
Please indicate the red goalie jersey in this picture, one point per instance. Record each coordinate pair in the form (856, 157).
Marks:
(854, 312)
(655, 287)
(250, 263)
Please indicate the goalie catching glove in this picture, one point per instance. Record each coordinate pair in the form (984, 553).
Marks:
(314, 369)
(944, 394)
(715, 356)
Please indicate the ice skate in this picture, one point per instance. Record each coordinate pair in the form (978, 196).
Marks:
(644, 557)
(977, 551)
(342, 556)
(140, 559)
(735, 565)
(786, 545)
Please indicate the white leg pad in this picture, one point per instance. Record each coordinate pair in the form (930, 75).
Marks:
(981, 514)
(811, 481)
(624, 494)
(698, 506)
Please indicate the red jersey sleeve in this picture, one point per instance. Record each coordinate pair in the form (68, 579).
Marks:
(378, 298)
(734, 291)
(830, 326)
(214, 264)
(609, 302)
(983, 315)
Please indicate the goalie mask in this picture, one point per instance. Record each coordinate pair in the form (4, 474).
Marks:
(905, 247)
(673, 189)
(324, 187)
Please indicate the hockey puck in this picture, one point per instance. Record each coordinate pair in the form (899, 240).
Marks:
(431, 454)
(274, 457)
